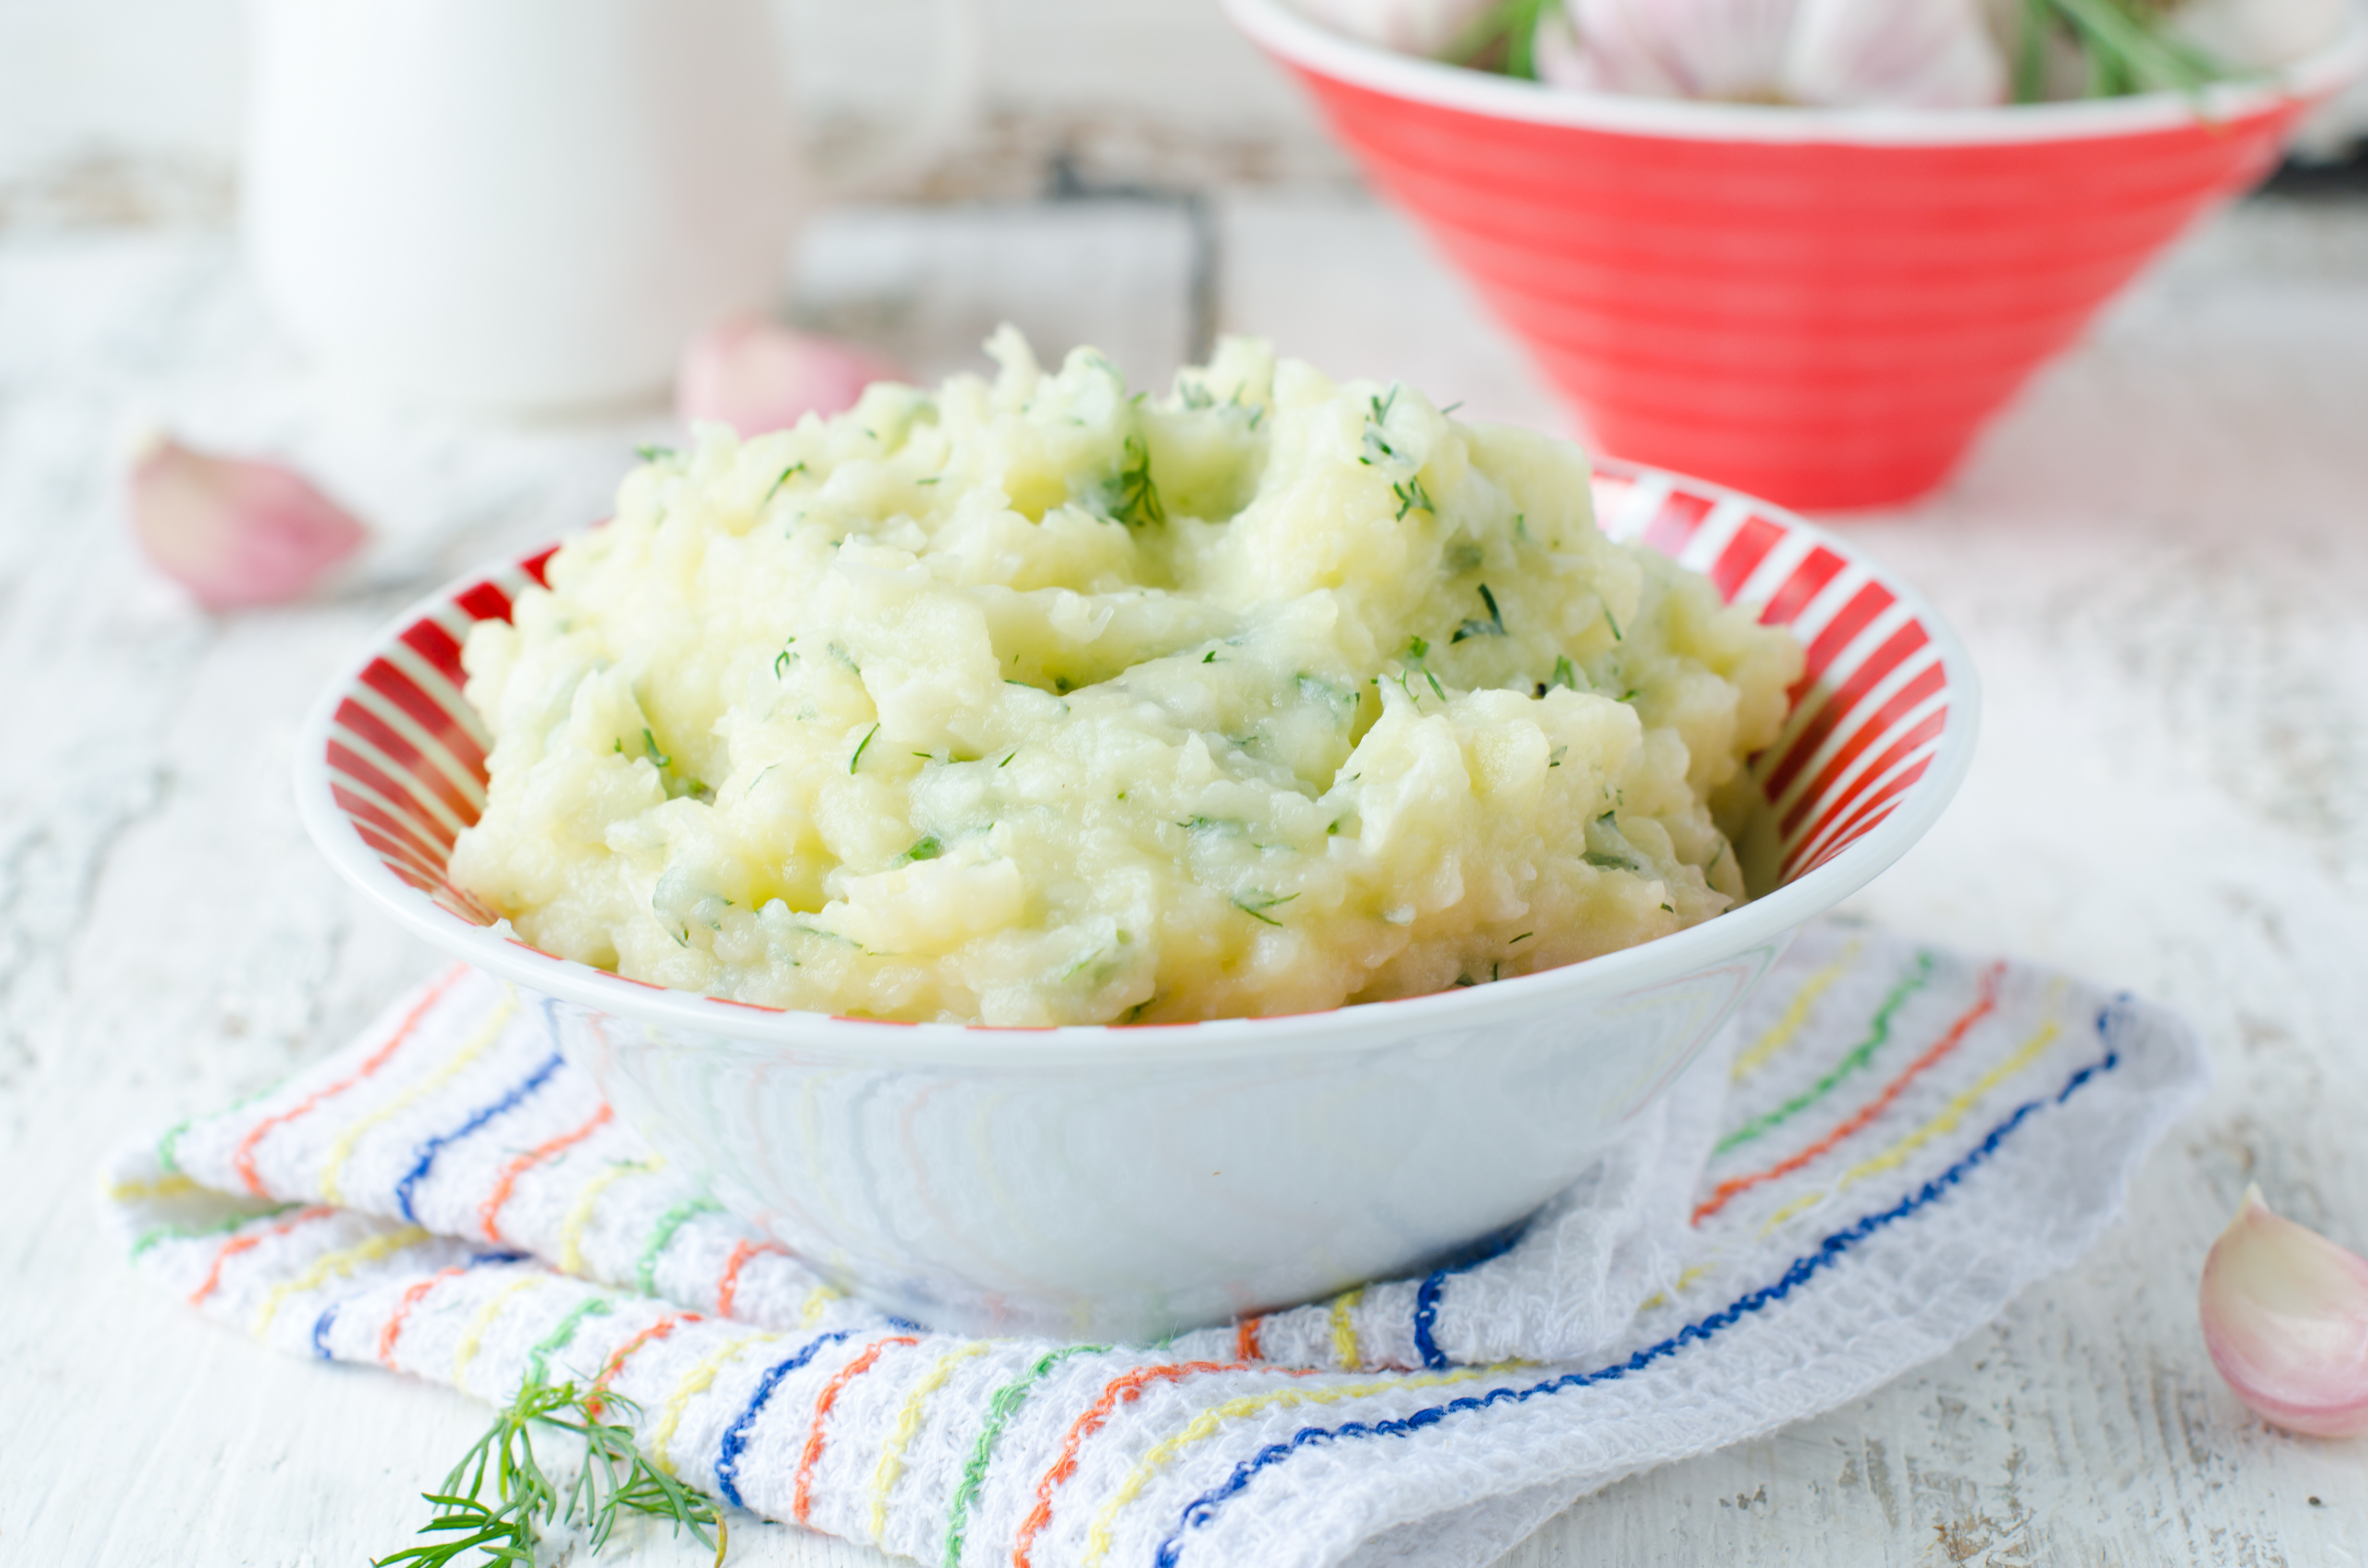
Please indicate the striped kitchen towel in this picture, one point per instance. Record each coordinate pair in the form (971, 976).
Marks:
(1889, 1142)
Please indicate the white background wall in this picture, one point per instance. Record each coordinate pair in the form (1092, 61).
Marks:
(128, 109)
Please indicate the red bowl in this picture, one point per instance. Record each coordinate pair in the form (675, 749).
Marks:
(1822, 307)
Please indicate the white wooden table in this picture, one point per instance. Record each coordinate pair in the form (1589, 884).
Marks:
(2160, 559)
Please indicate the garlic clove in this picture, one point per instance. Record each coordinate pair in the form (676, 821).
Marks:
(1410, 26)
(757, 375)
(234, 531)
(1819, 54)
(2286, 1319)
(2259, 34)
(1872, 53)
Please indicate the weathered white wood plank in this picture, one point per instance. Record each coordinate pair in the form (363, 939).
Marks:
(2159, 559)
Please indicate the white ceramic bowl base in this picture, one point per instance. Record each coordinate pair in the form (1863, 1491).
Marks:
(1106, 1197)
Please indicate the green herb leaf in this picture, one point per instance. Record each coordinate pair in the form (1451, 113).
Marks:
(650, 744)
(926, 848)
(1256, 905)
(1412, 497)
(1492, 626)
(1138, 498)
(858, 757)
(615, 1477)
(1502, 37)
(1417, 651)
(783, 479)
(651, 454)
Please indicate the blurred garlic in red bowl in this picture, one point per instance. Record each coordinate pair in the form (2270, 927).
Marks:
(1830, 53)
(1410, 26)
(237, 532)
(1794, 283)
(757, 375)
(2286, 1319)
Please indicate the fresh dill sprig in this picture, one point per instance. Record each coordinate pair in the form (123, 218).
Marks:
(1377, 441)
(782, 660)
(776, 487)
(1256, 908)
(1138, 498)
(650, 454)
(1417, 651)
(1412, 497)
(650, 744)
(858, 757)
(615, 1477)
(1492, 626)
(1564, 673)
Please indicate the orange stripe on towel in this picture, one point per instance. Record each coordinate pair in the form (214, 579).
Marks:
(728, 1288)
(240, 1244)
(1122, 1390)
(802, 1497)
(408, 1300)
(490, 1211)
(665, 1326)
(1985, 1005)
(244, 1160)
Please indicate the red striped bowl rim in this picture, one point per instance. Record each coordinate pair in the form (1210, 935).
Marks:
(392, 765)
(1275, 26)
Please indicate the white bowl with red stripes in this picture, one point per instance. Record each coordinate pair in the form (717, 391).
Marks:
(1126, 1182)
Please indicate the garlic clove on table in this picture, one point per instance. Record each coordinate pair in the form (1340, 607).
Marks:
(2286, 1319)
(757, 375)
(236, 532)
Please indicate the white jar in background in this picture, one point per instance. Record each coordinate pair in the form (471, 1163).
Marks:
(519, 206)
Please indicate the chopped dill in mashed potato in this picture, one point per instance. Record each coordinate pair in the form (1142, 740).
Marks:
(1032, 701)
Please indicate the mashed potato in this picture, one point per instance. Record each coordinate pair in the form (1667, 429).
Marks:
(1028, 701)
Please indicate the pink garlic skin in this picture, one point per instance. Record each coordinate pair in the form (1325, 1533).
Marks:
(757, 375)
(1817, 53)
(2286, 1319)
(1410, 26)
(234, 531)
